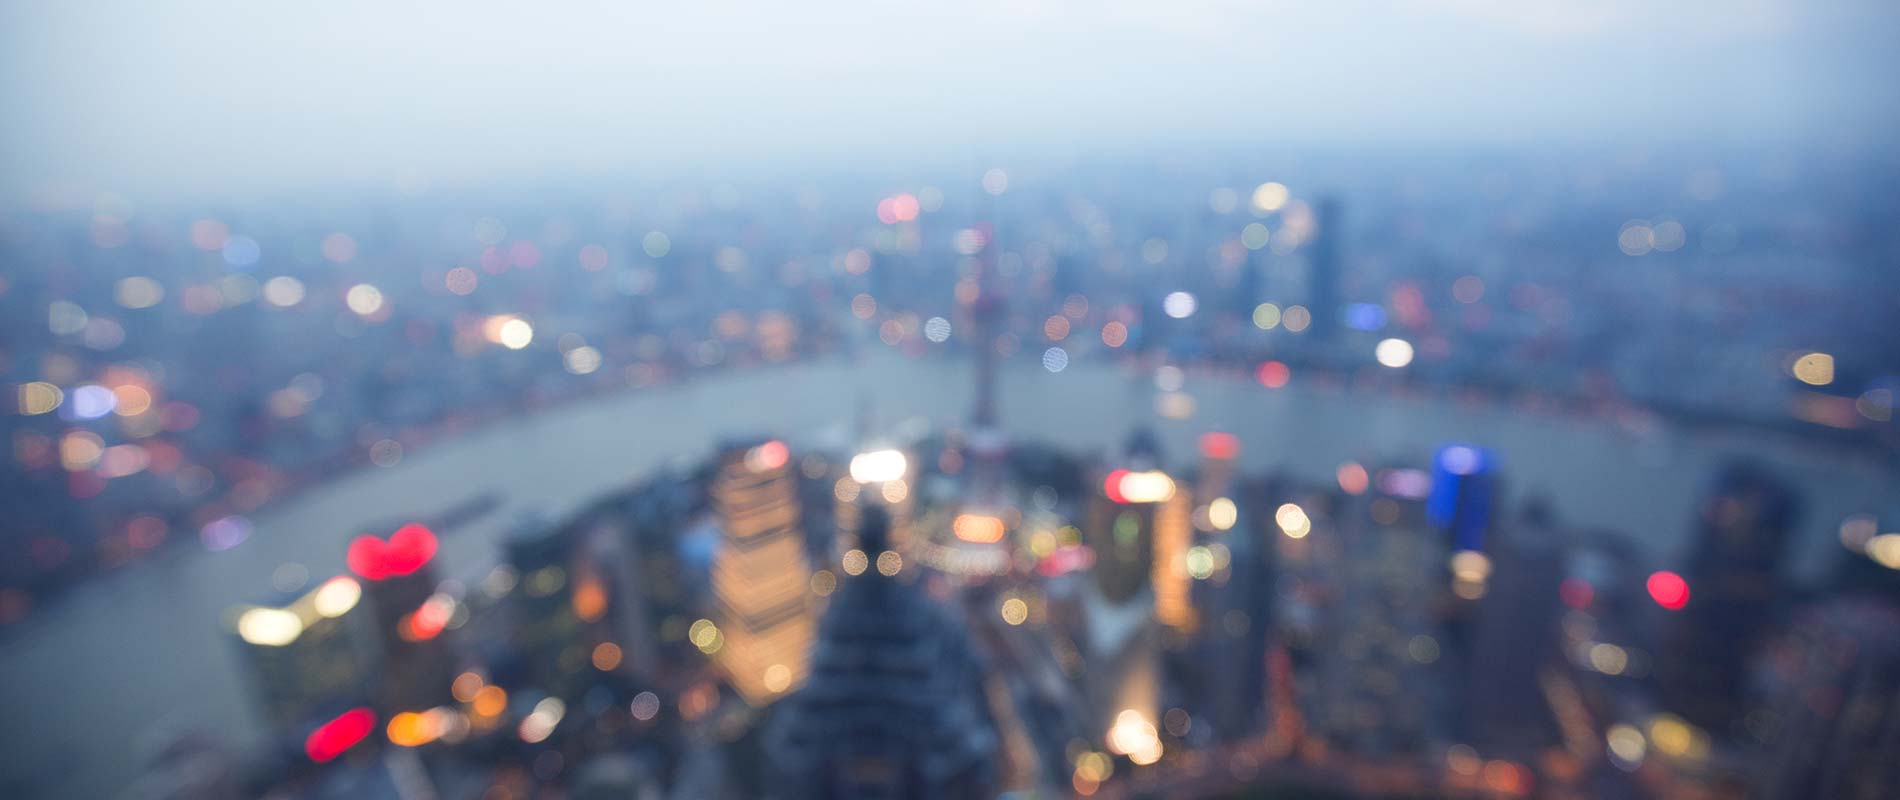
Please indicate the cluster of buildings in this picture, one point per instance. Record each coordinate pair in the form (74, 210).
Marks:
(175, 367)
(966, 616)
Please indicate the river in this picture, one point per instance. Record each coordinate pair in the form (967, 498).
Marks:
(97, 677)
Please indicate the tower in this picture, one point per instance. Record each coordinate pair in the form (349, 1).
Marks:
(1173, 534)
(1323, 291)
(544, 630)
(760, 577)
(894, 706)
(1741, 531)
(1833, 693)
(302, 659)
(410, 616)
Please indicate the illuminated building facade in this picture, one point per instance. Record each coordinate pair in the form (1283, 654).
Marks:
(1172, 580)
(1463, 489)
(883, 478)
(1121, 524)
(760, 577)
(303, 658)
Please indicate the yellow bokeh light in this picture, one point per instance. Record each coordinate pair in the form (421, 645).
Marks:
(1222, 513)
(1270, 196)
(889, 563)
(364, 299)
(490, 701)
(1293, 521)
(39, 397)
(777, 678)
(1814, 369)
(606, 656)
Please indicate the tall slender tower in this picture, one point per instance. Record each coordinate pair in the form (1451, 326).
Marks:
(1323, 298)
(761, 577)
(985, 311)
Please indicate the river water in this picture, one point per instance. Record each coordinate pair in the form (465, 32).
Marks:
(93, 680)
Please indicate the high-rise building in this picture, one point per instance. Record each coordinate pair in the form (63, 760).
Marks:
(760, 577)
(1463, 486)
(1119, 524)
(1228, 663)
(1170, 575)
(544, 634)
(895, 705)
(882, 477)
(1831, 720)
(1323, 283)
(1507, 639)
(303, 658)
(1728, 590)
(410, 616)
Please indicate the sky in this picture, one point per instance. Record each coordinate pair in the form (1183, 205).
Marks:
(214, 94)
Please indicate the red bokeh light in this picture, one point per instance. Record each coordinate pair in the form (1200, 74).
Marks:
(1273, 374)
(773, 454)
(426, 622)
(406, 551)
(1669, 590)
(1112, 485)
(1220, 445)
(1577, 593)
(905, 207)
(332, 738)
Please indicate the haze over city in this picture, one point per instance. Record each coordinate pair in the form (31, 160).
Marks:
(207, 95)
(1410, 400)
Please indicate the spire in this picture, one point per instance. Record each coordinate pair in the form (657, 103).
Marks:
(985, 311)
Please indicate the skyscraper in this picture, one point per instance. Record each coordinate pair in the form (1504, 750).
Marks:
(1323, 285)
(303, 661)
(1831, 723)
(1173, 583)
(546, 630)
(760, 577)
(410, 616)
(1731, 581)
(895, 704)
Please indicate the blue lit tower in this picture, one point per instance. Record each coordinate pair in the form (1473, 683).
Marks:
(1463, 484)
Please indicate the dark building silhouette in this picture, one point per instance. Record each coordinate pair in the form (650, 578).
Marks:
(1510, 641)
(1831, 719)
(1323, 283)
(1742, 529)
(545, 630)
(894, 704)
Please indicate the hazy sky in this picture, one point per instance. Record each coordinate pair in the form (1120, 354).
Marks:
(202, 93)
